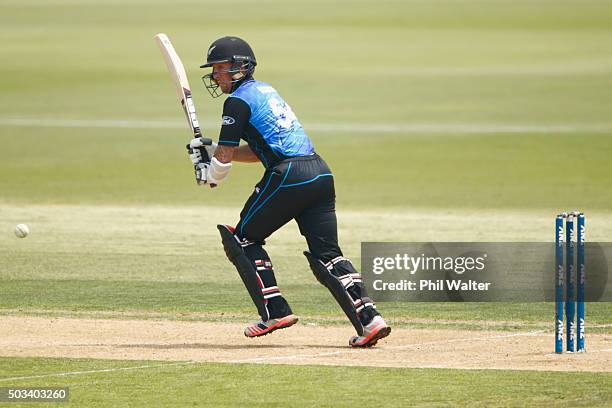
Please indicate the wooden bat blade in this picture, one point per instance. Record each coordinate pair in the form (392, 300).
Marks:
(179, 78)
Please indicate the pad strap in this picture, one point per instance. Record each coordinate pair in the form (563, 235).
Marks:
(344, 283)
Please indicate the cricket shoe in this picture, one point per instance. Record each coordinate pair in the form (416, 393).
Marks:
(374, 331)
(262, 328)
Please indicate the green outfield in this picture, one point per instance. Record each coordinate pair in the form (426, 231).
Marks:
(444, 121)
(156, 384)
(88, 259)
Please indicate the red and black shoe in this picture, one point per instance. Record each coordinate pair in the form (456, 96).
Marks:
(262, 328)
(374, 331)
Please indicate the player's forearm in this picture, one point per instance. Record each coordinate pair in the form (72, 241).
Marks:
(225, 154)
(244, 154)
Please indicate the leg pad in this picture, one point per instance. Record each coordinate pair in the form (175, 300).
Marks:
(339, 285)
(235, 253)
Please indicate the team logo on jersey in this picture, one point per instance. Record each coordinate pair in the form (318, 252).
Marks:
(228, 120)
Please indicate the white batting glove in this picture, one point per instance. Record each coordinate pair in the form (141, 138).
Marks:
(201, 150)
(201, 170)
(213, 172)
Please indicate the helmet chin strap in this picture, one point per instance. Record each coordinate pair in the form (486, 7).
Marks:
(238, 78)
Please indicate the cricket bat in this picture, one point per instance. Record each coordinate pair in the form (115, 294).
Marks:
(179, 77)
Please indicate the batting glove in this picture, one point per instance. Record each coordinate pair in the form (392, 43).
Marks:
(201, 150)
(201, 170)
(213, 172)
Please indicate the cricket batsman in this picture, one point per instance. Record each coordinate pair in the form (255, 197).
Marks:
(296, 185)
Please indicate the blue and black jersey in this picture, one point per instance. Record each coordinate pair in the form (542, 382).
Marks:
(297, 185)
(256, 113)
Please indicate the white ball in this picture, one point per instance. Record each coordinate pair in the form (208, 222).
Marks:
(22, 231)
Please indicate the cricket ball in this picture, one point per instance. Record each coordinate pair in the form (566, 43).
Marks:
(21, 231)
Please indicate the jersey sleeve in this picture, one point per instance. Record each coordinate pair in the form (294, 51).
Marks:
(236, 115)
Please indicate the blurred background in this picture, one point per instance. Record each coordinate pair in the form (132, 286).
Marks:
(424, 104)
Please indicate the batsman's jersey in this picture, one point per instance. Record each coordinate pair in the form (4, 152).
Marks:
(256, 113)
